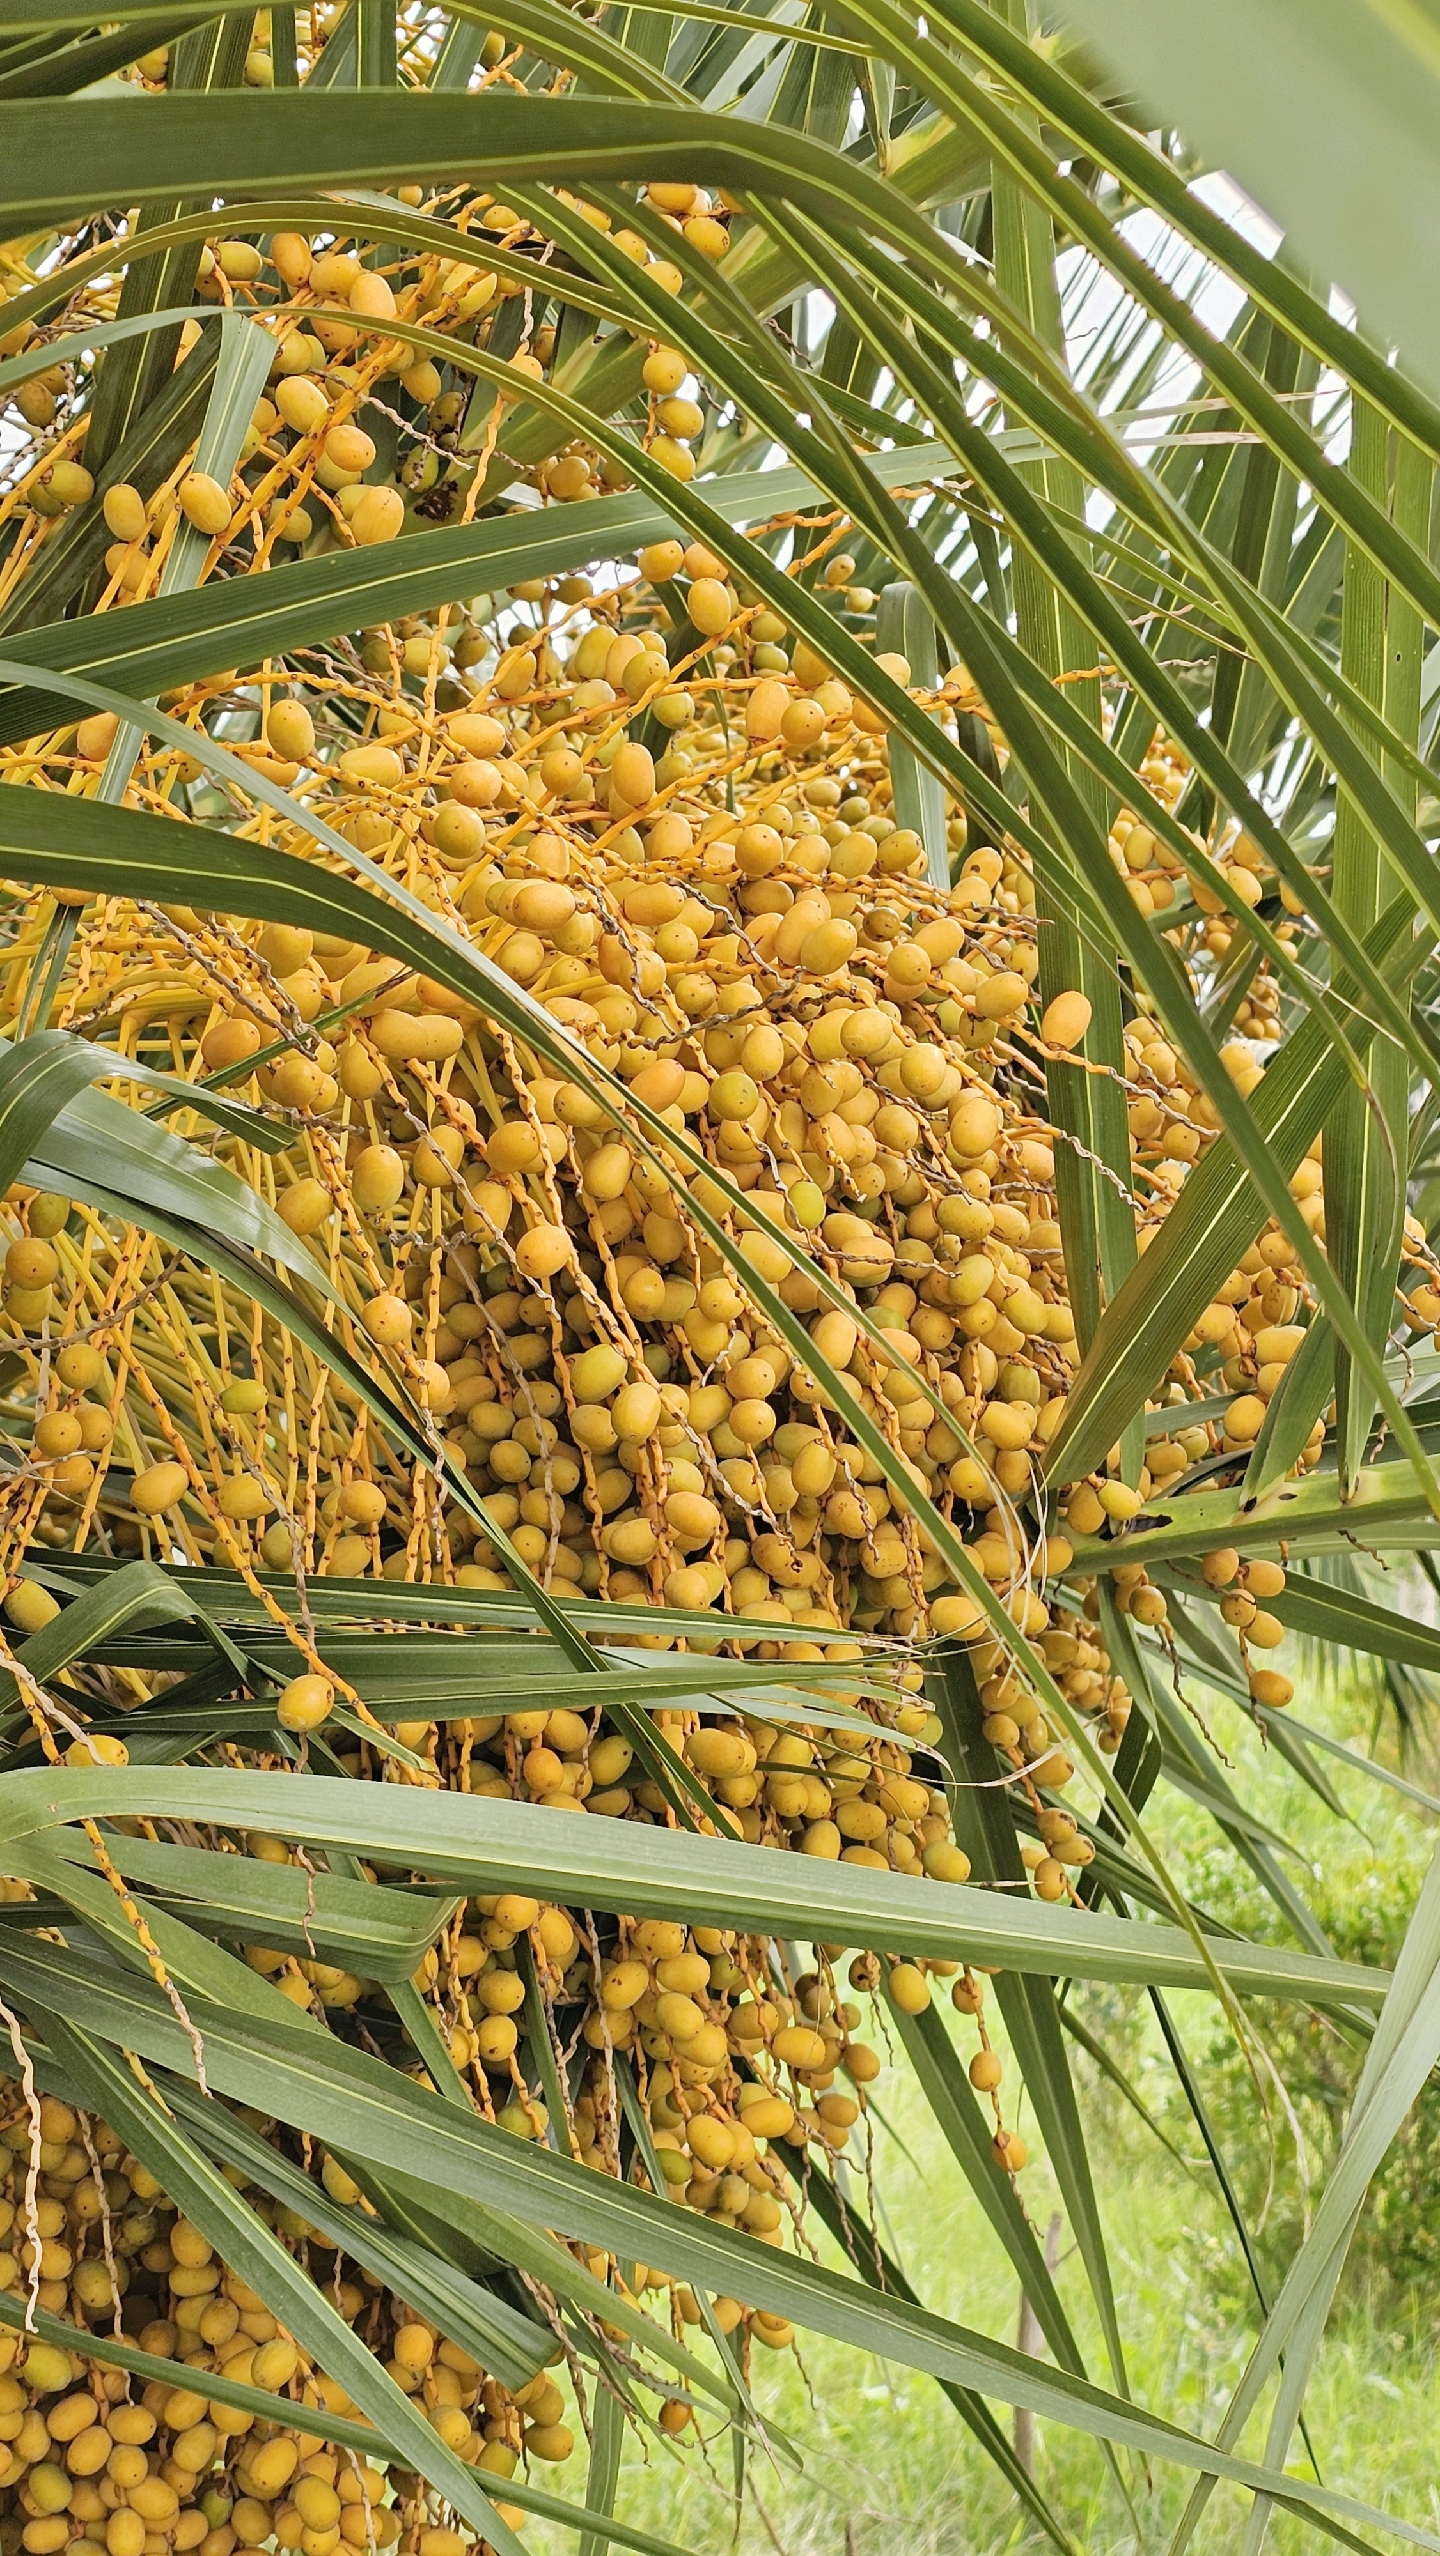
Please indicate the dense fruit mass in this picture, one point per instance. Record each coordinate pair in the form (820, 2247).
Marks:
(89, 2455)
(665, 819)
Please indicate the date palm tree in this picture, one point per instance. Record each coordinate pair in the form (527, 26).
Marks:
(937, 389)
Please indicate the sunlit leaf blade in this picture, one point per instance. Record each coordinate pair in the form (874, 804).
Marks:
(1367, 1137)
(492, 1846)
(164, 642)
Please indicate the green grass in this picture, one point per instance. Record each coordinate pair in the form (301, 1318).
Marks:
(889, 2470)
